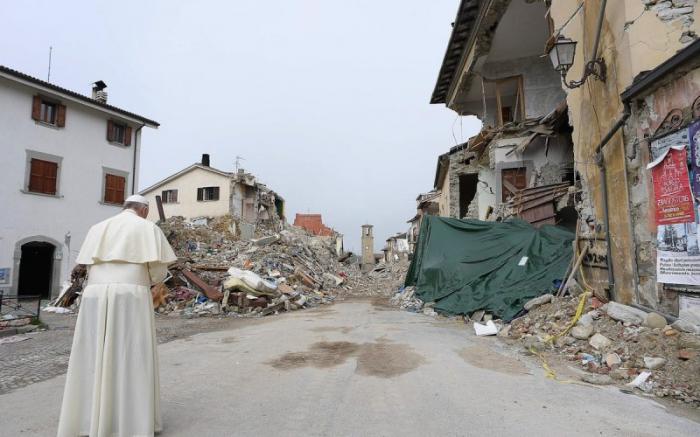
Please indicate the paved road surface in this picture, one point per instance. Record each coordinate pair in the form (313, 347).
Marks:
(358, 368)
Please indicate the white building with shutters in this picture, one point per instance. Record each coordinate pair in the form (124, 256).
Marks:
(198, 190)
(68, 162)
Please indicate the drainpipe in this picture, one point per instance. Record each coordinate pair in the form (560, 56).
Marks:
(600, 161)
(601, 17)
(137, 137)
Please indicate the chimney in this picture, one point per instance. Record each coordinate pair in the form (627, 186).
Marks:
(98, 91)
(205, 159)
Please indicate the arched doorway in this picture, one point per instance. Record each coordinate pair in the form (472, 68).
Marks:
(36, 267)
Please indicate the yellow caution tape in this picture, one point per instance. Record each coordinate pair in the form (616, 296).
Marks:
(577, 316)
(549, 373)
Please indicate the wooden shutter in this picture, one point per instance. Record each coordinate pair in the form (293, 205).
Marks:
(114, 189)
(121, 186)
(61, 115)
(164, 196)
(215, 194)
(36, 108)
(43, 176)
(200, 194)
(110, 130)
(127, 136)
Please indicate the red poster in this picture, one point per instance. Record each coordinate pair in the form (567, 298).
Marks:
(674, 200)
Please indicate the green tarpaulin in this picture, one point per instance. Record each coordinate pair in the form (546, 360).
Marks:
(470, 265)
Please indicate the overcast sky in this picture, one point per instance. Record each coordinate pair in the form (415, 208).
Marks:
(327, 100)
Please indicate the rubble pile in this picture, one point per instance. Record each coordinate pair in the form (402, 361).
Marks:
(406, 300)
(382, 281)
(615, 343)
(283, 269)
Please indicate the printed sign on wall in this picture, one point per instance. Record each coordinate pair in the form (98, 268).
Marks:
(672, 193)
(694, 141)
(678, 252)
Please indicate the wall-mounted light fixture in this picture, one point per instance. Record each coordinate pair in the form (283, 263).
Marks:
(562, 57)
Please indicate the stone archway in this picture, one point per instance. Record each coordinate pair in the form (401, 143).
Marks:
(35, 250)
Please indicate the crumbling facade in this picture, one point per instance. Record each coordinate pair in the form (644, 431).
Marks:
(201, 190)
(426, 204)
(494, 70)
(646, 94)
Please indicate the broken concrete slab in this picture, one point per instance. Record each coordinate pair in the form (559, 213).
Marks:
(535, 302)
(264, 241)
(653, 363)
(582, 332)
(596, 379)
(600, 342)
(655, 320)
(625, 314)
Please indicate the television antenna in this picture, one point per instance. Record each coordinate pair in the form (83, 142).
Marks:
(238, 162)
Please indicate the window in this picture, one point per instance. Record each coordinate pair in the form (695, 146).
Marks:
(47, 111)
(118, 133)
(510, 99)
(114, 189)
(512, 180)
(169, 196)
(207, 193)
(42, 176)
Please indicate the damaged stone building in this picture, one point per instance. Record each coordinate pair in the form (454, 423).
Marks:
(201, 190)
(426, 204)
(582, 103)
(632, 85)
(493, 69)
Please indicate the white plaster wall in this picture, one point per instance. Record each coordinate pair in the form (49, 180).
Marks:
(486, 190)
(557, 152)
(188, 206)
(84, 150)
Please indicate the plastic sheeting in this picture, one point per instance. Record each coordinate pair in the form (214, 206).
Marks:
(470, 265)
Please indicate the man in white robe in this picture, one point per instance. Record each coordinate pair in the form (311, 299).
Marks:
(112, 385)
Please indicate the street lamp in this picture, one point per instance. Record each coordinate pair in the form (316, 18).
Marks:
(562, 56)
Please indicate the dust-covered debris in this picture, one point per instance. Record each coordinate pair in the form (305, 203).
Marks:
(612, 340)
(284, 268)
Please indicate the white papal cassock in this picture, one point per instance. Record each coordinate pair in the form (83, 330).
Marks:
(112, 386)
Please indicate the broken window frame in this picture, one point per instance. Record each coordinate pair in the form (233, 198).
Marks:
(506, 191)
(517, 113)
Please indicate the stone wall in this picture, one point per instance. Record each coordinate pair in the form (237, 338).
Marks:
(648, 114)
(461, 163)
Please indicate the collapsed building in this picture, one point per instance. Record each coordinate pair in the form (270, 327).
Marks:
(201, 190)
(396, 248)
(575, 139)
(493, 69)
(313, 223)
(426, 204)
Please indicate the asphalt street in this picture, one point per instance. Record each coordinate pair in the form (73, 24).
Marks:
(360, 368)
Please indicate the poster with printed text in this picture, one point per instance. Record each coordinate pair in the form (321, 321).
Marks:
(694, 141)
(673, 198)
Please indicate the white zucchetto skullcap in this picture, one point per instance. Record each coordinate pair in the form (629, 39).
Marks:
(137, 198)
